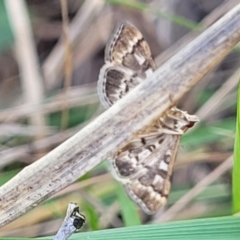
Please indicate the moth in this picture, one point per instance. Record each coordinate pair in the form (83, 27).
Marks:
(144, 166)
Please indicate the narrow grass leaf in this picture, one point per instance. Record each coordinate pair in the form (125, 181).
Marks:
(211, 228)
(236, 165)
(220, 228)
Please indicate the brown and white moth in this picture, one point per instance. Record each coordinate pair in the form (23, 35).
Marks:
(145, 164)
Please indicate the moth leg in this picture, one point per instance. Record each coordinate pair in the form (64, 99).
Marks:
(171, 100)
(162, 131)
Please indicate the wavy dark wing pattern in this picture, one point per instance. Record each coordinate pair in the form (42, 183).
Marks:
(128, 62)
(151, 187)
(145, 164)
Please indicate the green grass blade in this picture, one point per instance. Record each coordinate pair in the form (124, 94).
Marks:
(236, 165)
(6, 176)
(215, 228)
(6, 38)
(221, 228)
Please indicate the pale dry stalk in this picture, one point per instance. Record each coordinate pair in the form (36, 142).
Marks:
(32, 83)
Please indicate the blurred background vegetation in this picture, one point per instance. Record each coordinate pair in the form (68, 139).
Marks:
(61, 98)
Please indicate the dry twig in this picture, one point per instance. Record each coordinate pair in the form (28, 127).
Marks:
(73, 221)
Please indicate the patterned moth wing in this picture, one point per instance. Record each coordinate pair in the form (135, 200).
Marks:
(145, 164)
(150, 188)
(128, 62)
(132, 157)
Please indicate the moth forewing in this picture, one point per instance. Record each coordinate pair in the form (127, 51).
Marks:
(129, 56)
(145, 164)
(151, 187)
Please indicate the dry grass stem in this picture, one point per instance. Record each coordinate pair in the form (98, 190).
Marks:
(68, 68)
(13, 114)
(53, 65)
(79, 185)
(33, 230)
(32, 83)
(218, 97)
(94, 38)
(20, 152)
(205, 23)
(194, 157)
(8, 130)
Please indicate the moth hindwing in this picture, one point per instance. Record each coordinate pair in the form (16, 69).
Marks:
(145, 164)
